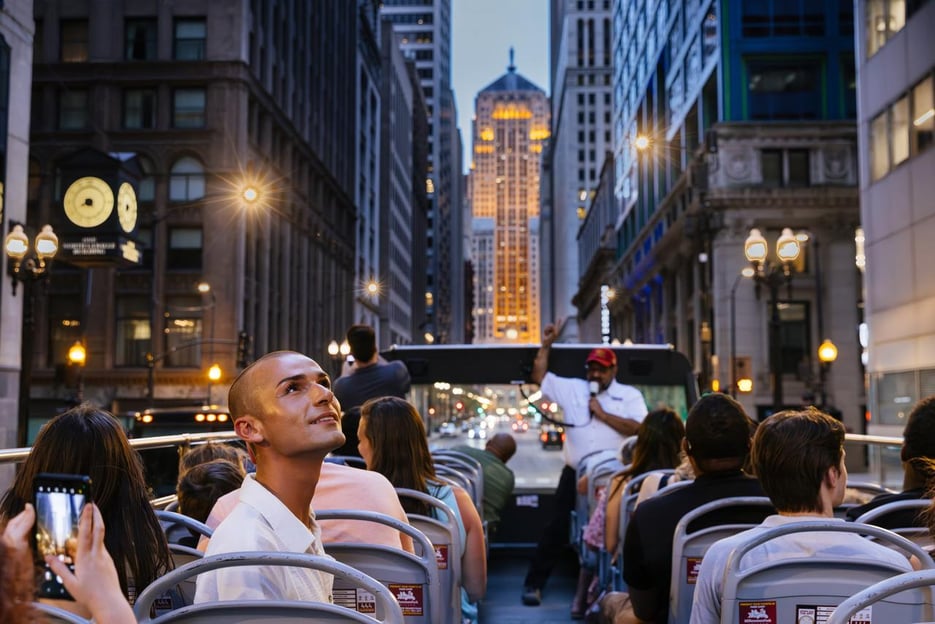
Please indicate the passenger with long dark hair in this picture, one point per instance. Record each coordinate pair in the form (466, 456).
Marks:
(393, 443)
(89, 441)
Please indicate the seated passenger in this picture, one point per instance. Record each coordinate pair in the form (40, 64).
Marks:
(799, 459)
(918, 448)
(283, 407)
(498, 478)
(88, 441)
(211, 451)
(658, 441)
(94, 584)
(393, 443)
(200, 488)
(717, 441)
(341, 487)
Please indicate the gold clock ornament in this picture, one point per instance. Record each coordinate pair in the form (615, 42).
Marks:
(126, 207)
(89, 201)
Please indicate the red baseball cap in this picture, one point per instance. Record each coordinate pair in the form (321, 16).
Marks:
(604, 357)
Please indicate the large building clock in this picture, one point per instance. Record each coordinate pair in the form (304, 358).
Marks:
(126, 207)
(88, 202)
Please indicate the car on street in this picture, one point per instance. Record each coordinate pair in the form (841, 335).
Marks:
(520, 426)
(448, 430)
(552, 437)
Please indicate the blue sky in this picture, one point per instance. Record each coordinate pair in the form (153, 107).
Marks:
(482, 33)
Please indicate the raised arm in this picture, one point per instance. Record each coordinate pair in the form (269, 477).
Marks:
(540, 365)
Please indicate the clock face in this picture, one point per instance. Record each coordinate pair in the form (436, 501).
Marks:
(89, 201)
(126, 207)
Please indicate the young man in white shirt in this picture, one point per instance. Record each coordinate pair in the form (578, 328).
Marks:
(283, 407)
(798, 457)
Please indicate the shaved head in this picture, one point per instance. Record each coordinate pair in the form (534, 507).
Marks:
(240, 397)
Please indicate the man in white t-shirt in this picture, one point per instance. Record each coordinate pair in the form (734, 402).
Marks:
(599, 412)
(283, 407)
(798, 457)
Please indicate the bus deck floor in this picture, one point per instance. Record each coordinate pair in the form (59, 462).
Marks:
(506, 569)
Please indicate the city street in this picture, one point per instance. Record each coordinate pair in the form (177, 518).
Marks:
(533, 466)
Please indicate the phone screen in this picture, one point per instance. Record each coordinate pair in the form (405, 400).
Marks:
(59, 500)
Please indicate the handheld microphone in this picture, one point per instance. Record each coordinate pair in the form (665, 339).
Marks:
(594, 387)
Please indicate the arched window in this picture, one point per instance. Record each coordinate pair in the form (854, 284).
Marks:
(186, 180)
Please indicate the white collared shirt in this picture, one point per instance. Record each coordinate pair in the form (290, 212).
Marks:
(261, 522)
(590, 434)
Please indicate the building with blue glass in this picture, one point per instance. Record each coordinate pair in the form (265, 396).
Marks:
(732, 115)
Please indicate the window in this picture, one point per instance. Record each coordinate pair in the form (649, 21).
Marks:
(183, 332)
(133, 331)
(784, 90)
(147, 189)
(794, 337)
(74, 41)
(184, 249)
(902, 130)
(141, 39)
(885, 18)
(139, 108)
(188, 108)
(922, 130)
(73, 109)
(782, 18)
(785, 168)
(189, 42)
(186, 180)
(64, 327)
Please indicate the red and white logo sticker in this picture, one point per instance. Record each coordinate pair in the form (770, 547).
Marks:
(366, 602)
(441, 556)
(759, 612)
(692, 564)
(409, 598)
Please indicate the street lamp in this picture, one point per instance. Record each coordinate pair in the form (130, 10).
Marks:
(27, 266)
(827, 354)
(77, 356)
(773, 275)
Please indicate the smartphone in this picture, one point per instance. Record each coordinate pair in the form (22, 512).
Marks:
(59, 500)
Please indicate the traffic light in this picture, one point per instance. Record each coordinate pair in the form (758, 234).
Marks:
(459, 406)
(244, 348)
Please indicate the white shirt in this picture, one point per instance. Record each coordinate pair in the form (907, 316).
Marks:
(706, 604)
(261, 522)
(590, 434)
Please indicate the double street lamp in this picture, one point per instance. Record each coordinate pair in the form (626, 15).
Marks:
(338, 354)
(28, 266)
(773, 275)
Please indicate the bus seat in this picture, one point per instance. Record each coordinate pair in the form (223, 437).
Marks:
(903, 517)
(867, 487)
(56, 615)
(784, 586)
(179, 527)
(613, 573)
(405, 574)
(470, 467)
(180, 556)
(446, 517)
(449, 563)
(347, 460)
(689, 547)
(892, 590)
(386, 608)
(583, 504)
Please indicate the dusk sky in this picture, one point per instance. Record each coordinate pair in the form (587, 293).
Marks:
(482, 33)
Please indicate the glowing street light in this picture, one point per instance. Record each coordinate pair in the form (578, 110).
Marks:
(77, 355)
(214, 373)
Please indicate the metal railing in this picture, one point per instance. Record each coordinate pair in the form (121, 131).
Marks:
(878, 468)
(183, 440)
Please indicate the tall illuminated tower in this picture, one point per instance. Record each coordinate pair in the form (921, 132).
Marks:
(511, 124)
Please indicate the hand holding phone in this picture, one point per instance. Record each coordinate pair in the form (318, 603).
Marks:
(59, 501)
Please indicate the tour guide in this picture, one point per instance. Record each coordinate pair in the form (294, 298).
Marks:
(598, 414)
